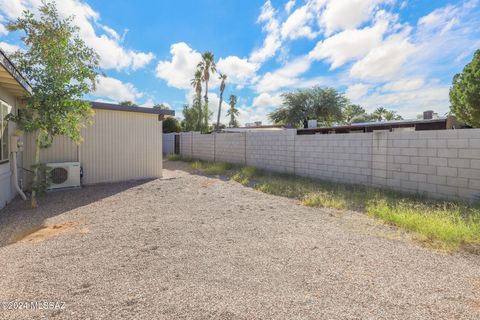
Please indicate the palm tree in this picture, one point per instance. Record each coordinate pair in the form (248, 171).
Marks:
(392, 115)
(223, 78)
(233, 112)
(379, 113)
(197, 101)
(207, 66)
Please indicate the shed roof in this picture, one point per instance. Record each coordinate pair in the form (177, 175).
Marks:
(11, 78)
(118, 107)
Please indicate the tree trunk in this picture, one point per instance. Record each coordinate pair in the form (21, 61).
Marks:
(34, 203)
(206, 105)
(199, 105)
(219, 109)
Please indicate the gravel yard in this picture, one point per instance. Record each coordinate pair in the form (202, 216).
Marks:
(190, 246)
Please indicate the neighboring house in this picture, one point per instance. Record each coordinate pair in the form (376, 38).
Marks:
(123, 143)
(427, 123)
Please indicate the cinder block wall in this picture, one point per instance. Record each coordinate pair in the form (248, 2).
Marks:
(204, 146)
(272, 150)
(230, 147)
(441, 164)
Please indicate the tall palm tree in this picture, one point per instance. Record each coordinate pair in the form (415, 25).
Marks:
(223, 78)
(233, 112)
(197, 101)
(207, 66)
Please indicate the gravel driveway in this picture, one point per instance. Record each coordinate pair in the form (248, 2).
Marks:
(190, 246)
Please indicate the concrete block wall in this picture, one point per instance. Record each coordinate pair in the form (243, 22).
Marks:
(186, 144)
(441, 164)
(230, 147)
(335, 157)
(271, 150)
(203, 146)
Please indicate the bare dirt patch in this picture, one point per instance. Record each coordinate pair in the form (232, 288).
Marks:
(47, 231)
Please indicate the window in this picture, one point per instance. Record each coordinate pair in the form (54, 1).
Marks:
(4, 109)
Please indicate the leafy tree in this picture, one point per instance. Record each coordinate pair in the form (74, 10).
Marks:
(233, 112)
(351, 111)
(363, 118)
(190, 118)
(128, 103)
(61, 70)
(465, 93)
(324, 105)
(206, 67)
(223, 78)
(171, 124)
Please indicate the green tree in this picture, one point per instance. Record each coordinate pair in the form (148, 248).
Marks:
(190, 118)
(171, 124)
(223, 78)
(233, 112)
(392, 115)
(465, 93)
(128, 103)
(196, 83)
(61, 70)
(207, 67)
(323, 104)
(351, 111)
(379, 113)
(363, 118)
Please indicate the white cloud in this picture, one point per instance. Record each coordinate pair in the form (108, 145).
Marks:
(410, 103)
(347, 14)
(384, 61)
(108, 45)
(272, 41)
(349, 44)
(289, 5)
(238, 71)
(297, 24)
(267, 100)
(116, 90)
(356, 91)
(179, 71)
(285, 76)
(406, 84)
(9, 48)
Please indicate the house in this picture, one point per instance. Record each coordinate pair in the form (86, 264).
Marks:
(123, 143)
(427, 123)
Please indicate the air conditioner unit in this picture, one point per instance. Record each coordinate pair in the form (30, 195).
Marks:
(64, 175)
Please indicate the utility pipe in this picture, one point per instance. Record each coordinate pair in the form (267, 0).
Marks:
(20, 191)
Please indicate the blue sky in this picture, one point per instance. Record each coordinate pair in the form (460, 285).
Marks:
(398, 54)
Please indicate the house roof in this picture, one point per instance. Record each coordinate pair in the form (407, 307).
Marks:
(118, 107)
(419, 124)
(11, 78)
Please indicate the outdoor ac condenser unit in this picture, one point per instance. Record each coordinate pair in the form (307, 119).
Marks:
(64, 175)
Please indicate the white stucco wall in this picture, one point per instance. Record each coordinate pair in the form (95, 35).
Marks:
(7, 187)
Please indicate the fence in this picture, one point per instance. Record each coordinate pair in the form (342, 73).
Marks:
(442, 164)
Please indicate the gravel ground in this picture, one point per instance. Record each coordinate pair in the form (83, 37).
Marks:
(199, 247)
